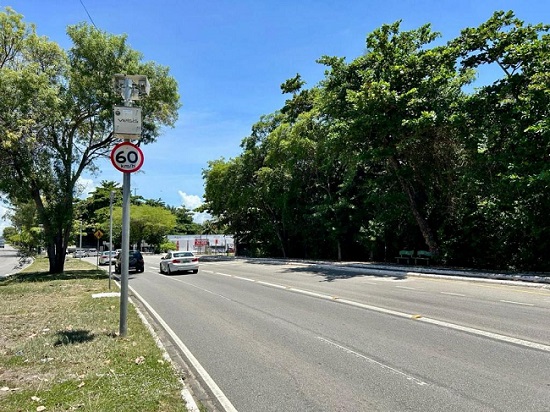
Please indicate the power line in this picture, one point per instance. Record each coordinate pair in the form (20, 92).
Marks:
(86, 10)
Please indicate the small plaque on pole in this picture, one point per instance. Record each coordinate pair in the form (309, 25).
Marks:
(127, 122)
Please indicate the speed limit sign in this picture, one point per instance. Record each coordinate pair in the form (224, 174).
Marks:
(127, 157)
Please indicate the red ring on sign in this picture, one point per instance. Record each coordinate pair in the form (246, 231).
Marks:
(121, 168)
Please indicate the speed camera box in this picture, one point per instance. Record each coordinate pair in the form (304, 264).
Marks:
(127, 120)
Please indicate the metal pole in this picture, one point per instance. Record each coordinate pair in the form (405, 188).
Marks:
(125, 254)
(80, 254)
(125, 248)
(110, 236)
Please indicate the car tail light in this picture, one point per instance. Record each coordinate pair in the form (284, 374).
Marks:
(195, 259)
(176, 261)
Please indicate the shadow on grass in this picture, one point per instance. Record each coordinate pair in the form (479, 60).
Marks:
(74, 337)
(48, 277)
(71, 337)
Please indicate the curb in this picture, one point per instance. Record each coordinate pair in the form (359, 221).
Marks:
(525, 279)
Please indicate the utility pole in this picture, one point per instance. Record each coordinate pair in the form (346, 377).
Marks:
(126, 157)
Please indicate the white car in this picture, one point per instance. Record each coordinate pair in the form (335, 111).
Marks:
(179, 261)
(79, 253)
(106, 256)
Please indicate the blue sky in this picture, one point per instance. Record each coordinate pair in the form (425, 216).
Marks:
(230, 57)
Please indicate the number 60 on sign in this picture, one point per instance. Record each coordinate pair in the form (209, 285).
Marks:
(127, 157)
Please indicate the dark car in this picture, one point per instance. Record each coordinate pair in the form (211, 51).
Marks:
(135, 262)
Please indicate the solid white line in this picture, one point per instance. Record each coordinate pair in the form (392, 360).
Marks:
(452, 294)
(352, 352)
(491, 335)
(405, 287)
(220, 396)
(190, 403)
(479, 332)
(516, 303)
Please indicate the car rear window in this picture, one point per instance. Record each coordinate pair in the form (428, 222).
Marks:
(183, 254)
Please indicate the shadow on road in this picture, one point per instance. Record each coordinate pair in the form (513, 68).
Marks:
(343, 272)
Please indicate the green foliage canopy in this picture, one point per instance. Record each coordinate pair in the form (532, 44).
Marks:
(395, 149)
(55, 115)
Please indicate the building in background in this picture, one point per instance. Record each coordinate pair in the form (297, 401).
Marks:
(204, 244)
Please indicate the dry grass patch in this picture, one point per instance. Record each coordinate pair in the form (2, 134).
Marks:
(60, 350)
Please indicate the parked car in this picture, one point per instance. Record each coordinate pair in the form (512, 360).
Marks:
(106, 256)
(92, 252)
(135, 262)
(79, 253)
(179, 261)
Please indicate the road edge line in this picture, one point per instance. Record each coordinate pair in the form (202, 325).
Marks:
(214, 388)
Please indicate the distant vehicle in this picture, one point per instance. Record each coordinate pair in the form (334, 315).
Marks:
(79, 253)
(106, 256)
(179, 261)
(2, 242)
(135, 262)
(92, 252)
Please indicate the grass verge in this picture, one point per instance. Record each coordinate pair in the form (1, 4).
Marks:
(60, 349)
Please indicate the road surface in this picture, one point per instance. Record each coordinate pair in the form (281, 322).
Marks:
(301, 337)
(9, 261)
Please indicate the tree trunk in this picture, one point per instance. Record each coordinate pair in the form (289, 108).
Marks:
(425, 228)
(281, 242)
(56, 252)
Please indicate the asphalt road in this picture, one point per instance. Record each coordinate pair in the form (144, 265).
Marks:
(9, 262)
(299, 337)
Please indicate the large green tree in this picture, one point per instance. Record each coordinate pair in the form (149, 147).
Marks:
(403, 147)
(506, 190)
(147, 223)
(56, 115)
(394, 109)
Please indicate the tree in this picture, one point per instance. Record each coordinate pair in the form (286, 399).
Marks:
(184, 221)
(56, 120)
(507, 190)
(147, 223)
(395, 106)
(395, 149)
(100, 199)
(25, 234)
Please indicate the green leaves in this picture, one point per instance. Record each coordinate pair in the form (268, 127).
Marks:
(56, 115)
(396, 149)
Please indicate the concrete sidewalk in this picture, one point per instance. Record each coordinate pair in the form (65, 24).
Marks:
(527, 279)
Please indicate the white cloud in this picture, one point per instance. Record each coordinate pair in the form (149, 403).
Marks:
(84, 187)
(191, 202)
(200, 218)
